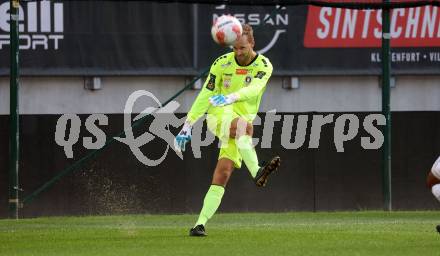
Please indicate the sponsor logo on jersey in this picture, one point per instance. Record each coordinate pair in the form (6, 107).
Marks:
(227, 80)
(260, 74)
(227, 83)
(248, 80)
(226, 64)
(241, 71)
(211, 83)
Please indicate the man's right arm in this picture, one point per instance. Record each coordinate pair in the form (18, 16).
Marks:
(199, 108)
(210, 88)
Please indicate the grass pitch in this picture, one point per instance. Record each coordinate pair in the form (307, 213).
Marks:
(338, 233)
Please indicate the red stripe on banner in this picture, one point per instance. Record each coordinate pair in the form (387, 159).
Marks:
(345, 28)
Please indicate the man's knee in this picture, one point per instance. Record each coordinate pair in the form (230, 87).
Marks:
(240, 127)
(250, 129)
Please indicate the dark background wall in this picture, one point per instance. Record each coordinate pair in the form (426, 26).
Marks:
(308, 180)
(138, 38)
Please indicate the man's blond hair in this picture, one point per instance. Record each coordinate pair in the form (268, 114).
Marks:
(249, 32)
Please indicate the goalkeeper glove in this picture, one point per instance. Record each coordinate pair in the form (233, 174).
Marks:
(222, 100)
(183, 137)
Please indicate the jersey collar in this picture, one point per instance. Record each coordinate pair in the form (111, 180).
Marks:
(256, 56)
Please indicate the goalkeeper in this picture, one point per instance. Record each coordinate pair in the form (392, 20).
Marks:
(231, 97)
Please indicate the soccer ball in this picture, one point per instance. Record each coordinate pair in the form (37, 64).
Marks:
(226, 29)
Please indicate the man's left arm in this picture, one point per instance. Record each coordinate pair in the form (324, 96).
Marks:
(255, 88)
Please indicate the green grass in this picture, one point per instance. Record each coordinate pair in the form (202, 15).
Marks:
(338, 233)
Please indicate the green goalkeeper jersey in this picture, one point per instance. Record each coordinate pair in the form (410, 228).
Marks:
(226, 76)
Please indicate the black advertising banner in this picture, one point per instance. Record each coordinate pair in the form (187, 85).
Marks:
(144, 38)
(99, 37)
(310, 40)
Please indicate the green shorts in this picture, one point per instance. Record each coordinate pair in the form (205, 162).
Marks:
(219, 124)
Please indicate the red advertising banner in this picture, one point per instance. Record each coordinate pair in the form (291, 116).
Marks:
(346, 28)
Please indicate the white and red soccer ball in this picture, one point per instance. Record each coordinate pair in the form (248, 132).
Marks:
(226, 29)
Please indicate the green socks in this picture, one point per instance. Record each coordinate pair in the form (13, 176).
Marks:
(211, 203)
(215, 193)
(248, 154)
